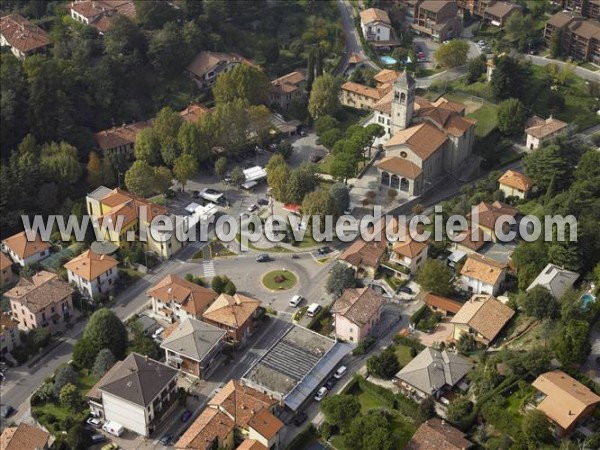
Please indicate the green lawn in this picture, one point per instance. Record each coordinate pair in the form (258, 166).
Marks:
(218, 249)
(324, 165)
(515, 401)
(486, 118)
(288, 280)
(403, 354)
(590, 66)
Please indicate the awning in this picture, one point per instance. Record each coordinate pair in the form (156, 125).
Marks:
(255, 173)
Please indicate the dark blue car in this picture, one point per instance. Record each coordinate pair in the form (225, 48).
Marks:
(186, 416)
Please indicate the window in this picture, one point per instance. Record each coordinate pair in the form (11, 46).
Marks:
(404, 154)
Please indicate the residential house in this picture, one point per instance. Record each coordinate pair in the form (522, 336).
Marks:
(359, 96)
(25, 250)
(483, 317)
(177, 299)
(23, 37)
(579, 37)
(436, 19)
(409, 253)
(192, 346)
(101, 13)
(234, 313)
(438, 304)
(587, 8)
(193, 112)
(287, 89)
(236, 412)
(493, 11)
(364, 256)
(44, 300)
(375, 25)
(123, 218)
(120, 140)
(25, 437)
(136, 393)
(540, 130)
(10, 337)
(251, 444)
(566, 402)
(515, 184)
(488, 216)
(436, 434)
(356, 312)
(207, 66)
(6, 274)
(481, 275)
(427, 140)
(93, 273)
(556, 279)
(470, 241)
(433, 373)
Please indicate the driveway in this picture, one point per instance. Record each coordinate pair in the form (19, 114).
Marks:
(440, 334)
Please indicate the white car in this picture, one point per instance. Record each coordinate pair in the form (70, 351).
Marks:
(349, 211)
(340, 372)
(253, 207)
(321, 393)
(93, 421)
(295, 301)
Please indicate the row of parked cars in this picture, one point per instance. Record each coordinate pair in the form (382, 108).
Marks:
(330, 383)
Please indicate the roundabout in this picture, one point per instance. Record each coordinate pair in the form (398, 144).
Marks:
(279, 280)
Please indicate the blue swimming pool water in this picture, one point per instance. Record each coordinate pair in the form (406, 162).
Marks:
(388, 60)
(586, 300)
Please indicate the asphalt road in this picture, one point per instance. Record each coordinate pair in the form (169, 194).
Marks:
(353, 44)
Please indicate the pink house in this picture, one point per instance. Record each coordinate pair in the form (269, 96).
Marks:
(356, 312)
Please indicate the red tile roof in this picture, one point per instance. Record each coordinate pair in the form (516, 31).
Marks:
(21, 34)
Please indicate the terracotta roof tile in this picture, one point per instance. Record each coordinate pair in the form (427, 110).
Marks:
(24, 437)
(363, 253)
(361, 89)
(489, 214)
(119, 136)
(232, 310)
(423, 139)
(90, 265)
(374, 15)
(409, 247)
(436, 434)
(21, 34)
(540, 128)
(400, 166)
(386, 76)
(23, 247)
(5, 261)
(516, 180)
(212, 424)
(440, 302)
(7, 322)
(473, 241)
(193, 298)
(358, 305)
(266, 424)
(482, 268)
(484, 314)
(251, 444)
(566, 397)
(193, 112)
(41, 290)
(208, 61)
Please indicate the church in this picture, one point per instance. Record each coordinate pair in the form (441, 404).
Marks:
(425, 140)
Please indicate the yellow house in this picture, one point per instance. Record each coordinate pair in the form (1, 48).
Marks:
(490, 214)
(122, 218)
(515, 184)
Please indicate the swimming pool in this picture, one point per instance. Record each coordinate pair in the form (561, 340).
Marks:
(388, 60)
(586, 300)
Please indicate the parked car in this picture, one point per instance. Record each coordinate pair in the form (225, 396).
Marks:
(6, 411)
(349, 211)
(98, 438)
(166, 439)
(331, 383)
(196, 194)
(227, 179)
(186, 416)
(111, 446)
(321, 393)
(324, 250)
(253, 207)
(95, 422)
(300, 418)
(170, 193)
(340, 372)
(421, 57)
(295, 301)
(405, 290)
(263, 201)
(263, 258)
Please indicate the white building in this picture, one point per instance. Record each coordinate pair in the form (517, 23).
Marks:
(136, 393)
(9, 334)
(555, 279)
(375, 24)
(541, 130)
(409, 253)
(93, 273)
(481, 275)
(24, 251)
(207, 66)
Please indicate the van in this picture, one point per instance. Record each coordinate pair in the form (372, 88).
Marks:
(157, 333)
(114, 428)
(313, 310)
(249, 185)
(295, 301)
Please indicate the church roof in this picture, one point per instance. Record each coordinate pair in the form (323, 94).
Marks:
(405, 81)
(423, 139)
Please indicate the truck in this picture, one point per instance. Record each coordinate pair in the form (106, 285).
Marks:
(114, 428)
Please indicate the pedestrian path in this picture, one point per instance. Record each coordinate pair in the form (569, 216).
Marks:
(208, 269)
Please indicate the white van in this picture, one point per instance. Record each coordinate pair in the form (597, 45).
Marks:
(295, 301)
(157, 333)
(114, 428)
(313, 309)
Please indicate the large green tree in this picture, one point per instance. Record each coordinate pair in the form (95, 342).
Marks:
(302, 180)
(508, 78)
(340, 409)
(384, 365)
(512, 116)
(547, 163)
(369, 432)
(70, 397)
(536, 428)
(436, 277)
(147, 146)
(538, 302)
(103, 330)
(340, 278)
(244, 82)
(324, 96)
(341, 197)
(318, 203)
(452, 54)
(186, 166)
(572, 343)
(104, 361)
(139, 179)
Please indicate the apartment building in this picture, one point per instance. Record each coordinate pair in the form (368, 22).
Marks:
(93, 273)
(580, 37)
(587, 8)
(435, 19)
(492, 11)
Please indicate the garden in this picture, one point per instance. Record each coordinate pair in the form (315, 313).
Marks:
(278, 280)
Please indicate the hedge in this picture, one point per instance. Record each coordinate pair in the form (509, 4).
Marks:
(387, 397)
(298, 443)
(409, 342)
(418, 314)
(316, 319)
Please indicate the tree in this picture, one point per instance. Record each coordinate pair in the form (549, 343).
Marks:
(436, 277)
(153, 15)
(324, 96)
(340, 409)
(189, 140)
(459, 412)
(343, 166)
(330, 137)
(466, 343)
(426, 409)
(70, 397)
(94, 170)
(536, 428)
(124, 38)
(237, 176)
(508, 78)
(221, 284)
(161, 180)
(244, 82)
(147, 146)
(318, 203)
(259, 118)
(325, 123)
(185, 167)
(104, 361)
(452, 54)
(310, 71)
(476, 68)
(340, 278)
(285, 149)
(221, 167)
(83, 353)
(546, 163)
(59, 163)
(385, 365)
(369, 432)
(165, 52)
(555, 44)
(229, 288)
(572, 344)
(512, 116)
(105, 330)
(78, 438)
(166, 127)
(109, 177)
(65, 375)
(538, 302)
(341, 197)
(139, 179)
(277, 178)
(302, 180)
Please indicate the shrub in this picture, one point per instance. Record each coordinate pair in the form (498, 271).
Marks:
(50, 418)
(364, 346)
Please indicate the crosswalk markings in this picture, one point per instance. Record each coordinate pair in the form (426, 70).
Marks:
(208, 269)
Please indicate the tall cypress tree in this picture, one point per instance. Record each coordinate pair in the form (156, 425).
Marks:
(310, 71)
